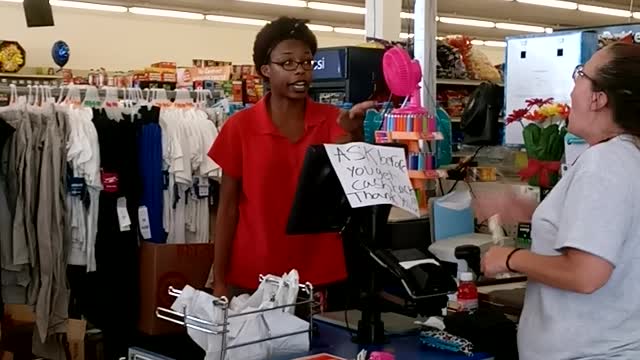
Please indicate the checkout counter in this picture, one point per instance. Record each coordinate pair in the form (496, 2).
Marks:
(425, 286)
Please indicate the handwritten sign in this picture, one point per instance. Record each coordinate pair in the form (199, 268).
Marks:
(373, 175)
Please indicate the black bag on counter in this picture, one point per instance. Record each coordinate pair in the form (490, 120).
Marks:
(488, 330)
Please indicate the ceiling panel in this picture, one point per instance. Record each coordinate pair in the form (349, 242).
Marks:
(494, 10)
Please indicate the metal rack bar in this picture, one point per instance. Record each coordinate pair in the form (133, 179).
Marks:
(184, 319)
(55, 90)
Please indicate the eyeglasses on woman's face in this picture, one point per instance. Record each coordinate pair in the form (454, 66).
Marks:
(578, 72)
(292, 65)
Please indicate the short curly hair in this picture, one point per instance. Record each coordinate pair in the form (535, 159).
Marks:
(277, 31)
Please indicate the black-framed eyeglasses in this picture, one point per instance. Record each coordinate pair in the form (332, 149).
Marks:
(578, 72)
(292, 65)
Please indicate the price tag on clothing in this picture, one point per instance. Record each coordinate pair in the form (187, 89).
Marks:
(123, 214)
(76, 186)
(165, 180)
(109, 182)
(200, 187)
(203, 187)
(143, 220)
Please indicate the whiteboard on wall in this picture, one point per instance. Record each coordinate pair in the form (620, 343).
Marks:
(540, 67)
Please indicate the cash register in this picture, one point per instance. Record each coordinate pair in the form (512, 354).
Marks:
(320, 205)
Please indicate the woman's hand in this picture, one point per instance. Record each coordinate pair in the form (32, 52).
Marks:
(220, 289)
(351, 121)
(511, 206)
(494, 261)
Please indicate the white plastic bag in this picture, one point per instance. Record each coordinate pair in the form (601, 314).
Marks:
(244, 329)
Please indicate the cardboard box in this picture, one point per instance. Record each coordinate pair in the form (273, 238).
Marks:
(165, 265)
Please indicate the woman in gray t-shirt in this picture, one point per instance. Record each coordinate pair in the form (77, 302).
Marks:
(583, 299)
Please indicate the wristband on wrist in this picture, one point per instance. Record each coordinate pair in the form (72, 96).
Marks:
(509, 259)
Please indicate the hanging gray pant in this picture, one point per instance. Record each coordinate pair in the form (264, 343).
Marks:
(15, 276)
(53, 296)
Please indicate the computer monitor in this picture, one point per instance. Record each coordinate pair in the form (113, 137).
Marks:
(320, 204)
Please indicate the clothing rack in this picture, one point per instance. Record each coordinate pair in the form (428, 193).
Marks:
(55, 91)
(221, 328)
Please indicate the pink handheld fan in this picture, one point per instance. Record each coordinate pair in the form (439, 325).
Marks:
(403, 76)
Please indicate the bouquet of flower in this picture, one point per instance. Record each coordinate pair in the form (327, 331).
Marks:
(543, 139)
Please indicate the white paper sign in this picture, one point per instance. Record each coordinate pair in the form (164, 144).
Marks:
(373, 175)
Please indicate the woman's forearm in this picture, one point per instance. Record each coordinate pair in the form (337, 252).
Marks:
(226, 224)
(566, 271)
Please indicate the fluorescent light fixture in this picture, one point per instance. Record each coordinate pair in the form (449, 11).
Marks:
(467, 22)
(406, 36)
(87, 6)
(439, 37)
(315, 27)
(548, 30)
(604, 10)
(236, 20)
(12, 1)
(351, 31)
(336, 7)
(166, 13)
(520, 27)
(495, 43)
(477, 42)
(569, 5)
(294, 3)
(406, 15)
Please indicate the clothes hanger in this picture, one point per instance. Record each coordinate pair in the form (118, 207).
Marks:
(92, 98)
(183, 99)
(111, 104)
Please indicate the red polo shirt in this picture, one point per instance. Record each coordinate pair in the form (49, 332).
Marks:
(250, 148)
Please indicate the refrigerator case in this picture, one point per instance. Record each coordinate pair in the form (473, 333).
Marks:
(348, 75)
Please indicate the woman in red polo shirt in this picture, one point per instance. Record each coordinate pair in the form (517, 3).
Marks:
(261, 150)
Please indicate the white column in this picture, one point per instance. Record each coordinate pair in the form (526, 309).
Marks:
(382, 20)
(425, 51)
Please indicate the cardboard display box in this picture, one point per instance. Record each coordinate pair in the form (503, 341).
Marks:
(164, 265)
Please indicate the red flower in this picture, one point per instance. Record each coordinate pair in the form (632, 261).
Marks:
(535, 116)
(538, 102)
(516, 115)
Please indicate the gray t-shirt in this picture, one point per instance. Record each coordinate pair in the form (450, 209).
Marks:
(594, 208)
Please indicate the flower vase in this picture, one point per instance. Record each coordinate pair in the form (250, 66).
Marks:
(544, 144)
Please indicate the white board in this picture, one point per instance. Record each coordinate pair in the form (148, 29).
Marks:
(539, 67)
(373, 175)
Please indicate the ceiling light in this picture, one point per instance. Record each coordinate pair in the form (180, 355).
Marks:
(548, 30)
(87, 6)
(604, 10)
(439, 37)
(336, 7)
(520, 27)
(315, 27)
(350, 31)
(477, 42)
(12, 1)
(569, 5)
(406, 15)
(236, 20)
(295, 3)
(166, 13)
(406, 36)
(467, 22)
(495, 43)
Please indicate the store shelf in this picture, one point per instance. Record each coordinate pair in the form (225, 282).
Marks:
(427, 174)
(405, 135)
(461, 82)
(29, 76)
